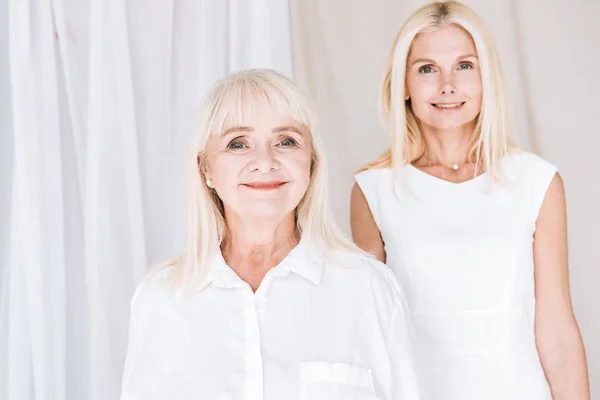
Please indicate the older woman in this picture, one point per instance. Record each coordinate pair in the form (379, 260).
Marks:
(269, 301)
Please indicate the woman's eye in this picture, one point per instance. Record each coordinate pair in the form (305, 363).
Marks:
(426, 69)
(288, 143)
(236, 145)
(465, 66)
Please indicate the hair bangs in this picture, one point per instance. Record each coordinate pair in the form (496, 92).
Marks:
(239, 100)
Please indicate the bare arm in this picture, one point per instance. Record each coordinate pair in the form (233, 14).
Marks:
(365, 232)
(557, 335)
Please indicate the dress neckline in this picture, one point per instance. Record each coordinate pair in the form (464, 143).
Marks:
(445, 182)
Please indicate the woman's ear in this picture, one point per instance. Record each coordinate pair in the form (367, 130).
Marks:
(202, 165)
(204, 170)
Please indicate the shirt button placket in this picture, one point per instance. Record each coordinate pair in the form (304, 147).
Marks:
(253, 387)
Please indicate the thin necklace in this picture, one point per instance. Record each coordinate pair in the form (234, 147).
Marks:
(453, 167)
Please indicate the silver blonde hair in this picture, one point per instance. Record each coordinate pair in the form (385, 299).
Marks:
(493, 132)
(224, 106)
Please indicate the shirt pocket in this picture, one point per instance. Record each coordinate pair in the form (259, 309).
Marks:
(336, 381)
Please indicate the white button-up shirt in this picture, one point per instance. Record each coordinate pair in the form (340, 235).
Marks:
(313, 330)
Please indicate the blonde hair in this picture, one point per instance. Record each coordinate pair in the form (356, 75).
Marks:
(225, 106)
(493, 132)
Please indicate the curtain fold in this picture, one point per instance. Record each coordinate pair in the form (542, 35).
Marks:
(35, 294)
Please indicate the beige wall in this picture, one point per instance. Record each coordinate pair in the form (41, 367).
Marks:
(551, 53)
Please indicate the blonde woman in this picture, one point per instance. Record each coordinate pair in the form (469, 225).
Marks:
(269, 301)
(474, 229)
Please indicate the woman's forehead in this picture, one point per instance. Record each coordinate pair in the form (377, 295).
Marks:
(254, 115)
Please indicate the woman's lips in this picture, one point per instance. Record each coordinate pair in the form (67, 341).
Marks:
(267, 185)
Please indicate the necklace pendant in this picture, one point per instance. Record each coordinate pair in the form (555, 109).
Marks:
(454, 167)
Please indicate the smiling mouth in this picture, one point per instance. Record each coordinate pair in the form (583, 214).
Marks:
(448, 106)
(264, 185)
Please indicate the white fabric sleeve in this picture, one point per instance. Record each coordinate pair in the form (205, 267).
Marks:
(369, 185)
(403, 353)
(541, 174)
(133, 340)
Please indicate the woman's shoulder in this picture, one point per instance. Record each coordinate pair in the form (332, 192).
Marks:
(374, 183)
(520, 163)
(373, 173)
(366, 269)
(531, 176)
(154, 284)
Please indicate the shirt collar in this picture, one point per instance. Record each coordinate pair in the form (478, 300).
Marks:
(302, 260)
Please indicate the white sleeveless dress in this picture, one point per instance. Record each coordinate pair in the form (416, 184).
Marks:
(464, 255)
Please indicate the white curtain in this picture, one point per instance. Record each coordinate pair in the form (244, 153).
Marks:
(97, 109)
(550, 50)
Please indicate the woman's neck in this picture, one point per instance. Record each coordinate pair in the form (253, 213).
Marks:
(448, 146)
(252, 248)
